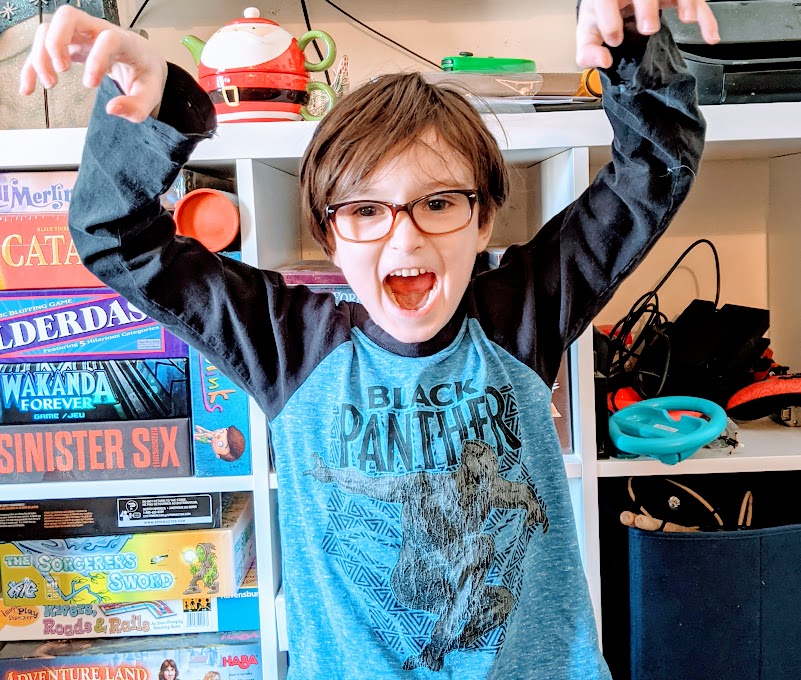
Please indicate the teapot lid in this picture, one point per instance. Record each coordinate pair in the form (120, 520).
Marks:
(252, 15)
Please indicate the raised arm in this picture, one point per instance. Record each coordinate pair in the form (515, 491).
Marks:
(546, 292)
(145, 124)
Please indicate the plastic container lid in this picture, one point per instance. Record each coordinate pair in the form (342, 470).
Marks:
(209, 216)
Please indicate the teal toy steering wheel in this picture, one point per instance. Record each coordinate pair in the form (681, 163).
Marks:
(647, 429)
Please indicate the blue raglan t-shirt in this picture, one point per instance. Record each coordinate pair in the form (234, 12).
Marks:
(426, 524)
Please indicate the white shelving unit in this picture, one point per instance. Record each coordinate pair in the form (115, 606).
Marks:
(553, 154)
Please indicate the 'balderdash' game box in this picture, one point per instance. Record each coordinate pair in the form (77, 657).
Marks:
(79, 324)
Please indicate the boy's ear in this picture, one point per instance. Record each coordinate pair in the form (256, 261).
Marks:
(332, 249)
(485, 233)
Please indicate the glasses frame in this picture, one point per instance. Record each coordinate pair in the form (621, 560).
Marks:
(395, 208)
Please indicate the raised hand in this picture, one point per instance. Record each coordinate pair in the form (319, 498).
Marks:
(600, 24)
(76, 37)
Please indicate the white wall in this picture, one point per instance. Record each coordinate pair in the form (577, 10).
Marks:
(542, 30)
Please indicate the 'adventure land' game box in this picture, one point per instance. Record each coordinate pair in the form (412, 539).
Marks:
(204, 656)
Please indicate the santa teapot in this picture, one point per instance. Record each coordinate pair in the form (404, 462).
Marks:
(254, 70)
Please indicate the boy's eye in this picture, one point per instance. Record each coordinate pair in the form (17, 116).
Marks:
(439, 203)
(365, 210)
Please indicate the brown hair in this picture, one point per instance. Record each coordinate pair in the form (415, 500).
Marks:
(168, 663)
(236, 444)
(387, 116)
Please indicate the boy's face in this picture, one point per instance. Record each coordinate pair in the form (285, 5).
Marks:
(412, 308)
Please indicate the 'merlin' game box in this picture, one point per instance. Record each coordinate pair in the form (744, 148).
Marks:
(196, 614)
(73, 517)
(79, 324)
(201, 656)
(129, 449)
(221, 421)
(36, 248)
(124, 389)
(129, 568)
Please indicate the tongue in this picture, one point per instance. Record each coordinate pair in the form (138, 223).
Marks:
(411, 291)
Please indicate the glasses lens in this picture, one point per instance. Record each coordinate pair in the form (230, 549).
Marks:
(441, 213)
(363, 221)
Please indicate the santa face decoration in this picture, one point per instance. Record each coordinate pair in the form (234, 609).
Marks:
(255, 71)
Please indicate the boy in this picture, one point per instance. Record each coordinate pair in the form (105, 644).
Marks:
(426, 525)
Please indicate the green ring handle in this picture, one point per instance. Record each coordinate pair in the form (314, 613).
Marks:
(332, 97)
(331, 52)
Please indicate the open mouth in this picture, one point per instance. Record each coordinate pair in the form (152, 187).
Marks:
(410, 289)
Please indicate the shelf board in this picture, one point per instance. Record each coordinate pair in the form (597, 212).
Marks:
(280, 621)
(765, 446)
(124, 487)
(734, 131)
(572, 465)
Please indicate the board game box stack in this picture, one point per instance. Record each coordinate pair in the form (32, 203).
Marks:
(90, 387)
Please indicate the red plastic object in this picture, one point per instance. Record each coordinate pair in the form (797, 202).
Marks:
(209, 216)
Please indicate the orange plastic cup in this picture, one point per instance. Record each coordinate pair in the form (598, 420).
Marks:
(209, 216)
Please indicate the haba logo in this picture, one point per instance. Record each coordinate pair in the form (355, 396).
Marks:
(243, 662)
(448, 561)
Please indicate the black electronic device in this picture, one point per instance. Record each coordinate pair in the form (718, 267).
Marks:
(758, 58)
(709, 352)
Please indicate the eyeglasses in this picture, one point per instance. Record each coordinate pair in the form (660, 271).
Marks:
(444, 212)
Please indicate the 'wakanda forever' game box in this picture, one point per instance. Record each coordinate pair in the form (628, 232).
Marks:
(133, 567)
(125, 389)
(202, 656)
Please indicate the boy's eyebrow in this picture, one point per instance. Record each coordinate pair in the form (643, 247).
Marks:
(364, 193)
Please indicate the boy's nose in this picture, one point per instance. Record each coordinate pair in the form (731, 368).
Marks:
(405, 236)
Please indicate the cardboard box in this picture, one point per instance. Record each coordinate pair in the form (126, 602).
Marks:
(321, 276)
(220, 421)
(36, 248)
(231, 656)
(93, 391)
(73, 517)
(160, 617)
(133, 568)
(132, 449)
(79, 324)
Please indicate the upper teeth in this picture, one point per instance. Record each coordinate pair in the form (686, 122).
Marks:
(408, 272)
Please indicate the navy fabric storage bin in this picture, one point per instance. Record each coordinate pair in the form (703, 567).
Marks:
(716, 606)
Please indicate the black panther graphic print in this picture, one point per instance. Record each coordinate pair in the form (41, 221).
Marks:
(446, 553)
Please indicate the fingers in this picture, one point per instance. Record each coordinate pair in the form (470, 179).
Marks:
(609, 21)
(37, 64)
(646, 13)
(707, 23)
(593, 56)
(57, 44)
(101, 57)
